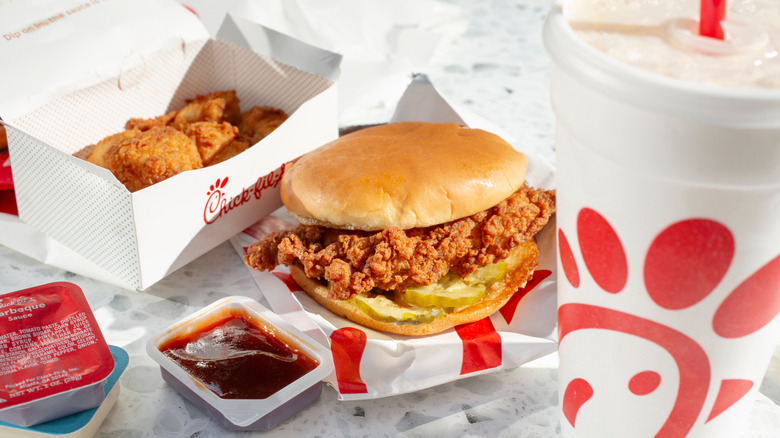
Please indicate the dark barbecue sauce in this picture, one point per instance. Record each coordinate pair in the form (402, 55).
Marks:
(237, 359)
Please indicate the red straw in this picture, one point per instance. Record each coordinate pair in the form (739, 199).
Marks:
(712, 13)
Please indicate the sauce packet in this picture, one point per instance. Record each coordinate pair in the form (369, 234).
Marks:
(53, 358)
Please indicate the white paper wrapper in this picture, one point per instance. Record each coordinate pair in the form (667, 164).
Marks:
(381, 41)
(371, 364)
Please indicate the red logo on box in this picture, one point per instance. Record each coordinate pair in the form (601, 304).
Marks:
(218, 203)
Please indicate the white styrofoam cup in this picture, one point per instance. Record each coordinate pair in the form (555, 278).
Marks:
(668, 216)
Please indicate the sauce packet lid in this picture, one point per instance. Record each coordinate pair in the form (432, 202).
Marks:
(51, 347)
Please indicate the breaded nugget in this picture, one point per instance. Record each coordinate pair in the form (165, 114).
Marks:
(98, 154)
(84, 152)
(235, 147)
(260, 121)
(146, 124)
(152, 156)
(210, 138)
(221, 106)
(3, 138)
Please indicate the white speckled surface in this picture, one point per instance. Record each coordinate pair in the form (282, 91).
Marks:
(497, 69)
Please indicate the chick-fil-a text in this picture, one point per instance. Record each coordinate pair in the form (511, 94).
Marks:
(218, 203)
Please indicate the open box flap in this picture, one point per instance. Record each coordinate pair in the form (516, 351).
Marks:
(88, 42)
(283, 48)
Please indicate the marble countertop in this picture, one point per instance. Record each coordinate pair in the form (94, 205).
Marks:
(497, 69)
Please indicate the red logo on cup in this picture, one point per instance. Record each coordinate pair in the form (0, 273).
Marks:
(218, 203)
(682, 266)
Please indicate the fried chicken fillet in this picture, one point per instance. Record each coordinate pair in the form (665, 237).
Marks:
(152, 156)
(220, 106)
(98, 153)
(260, 121)
(146, 124)
(354, 262)
(211, 125)
(3, 138)
(211, 138)
(239, 144)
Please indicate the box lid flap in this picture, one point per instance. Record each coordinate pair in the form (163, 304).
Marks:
(57, 47)
(280, 47)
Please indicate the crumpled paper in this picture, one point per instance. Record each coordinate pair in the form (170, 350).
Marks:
(381, 41)
(371, 364)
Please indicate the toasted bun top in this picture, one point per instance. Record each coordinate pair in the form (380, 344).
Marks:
(406, 174)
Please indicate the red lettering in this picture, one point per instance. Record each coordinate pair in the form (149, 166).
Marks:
(214, 205)
(271, 180)
(217, 203)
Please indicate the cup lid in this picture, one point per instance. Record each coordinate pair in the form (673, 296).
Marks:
(702, 103)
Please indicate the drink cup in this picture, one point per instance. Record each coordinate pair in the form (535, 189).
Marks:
(668, 216)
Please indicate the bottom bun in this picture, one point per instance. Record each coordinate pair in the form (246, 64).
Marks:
(520, 267)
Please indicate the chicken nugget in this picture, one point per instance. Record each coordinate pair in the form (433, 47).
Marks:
(84, 152)
(235, 147)
(98, 153)
(210, 138)
(152, 156)
(260, 121)
(220, 106)
(146, 124)
(3, 138)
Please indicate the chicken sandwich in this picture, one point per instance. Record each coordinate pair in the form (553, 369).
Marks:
(411, 227)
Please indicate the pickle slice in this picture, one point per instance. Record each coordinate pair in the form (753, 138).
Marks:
(384, 309)
(453, 292)
(489, 273)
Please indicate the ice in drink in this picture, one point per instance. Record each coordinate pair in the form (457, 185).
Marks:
(662, 37)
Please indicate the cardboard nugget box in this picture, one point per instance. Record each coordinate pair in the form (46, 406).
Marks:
(140, 237)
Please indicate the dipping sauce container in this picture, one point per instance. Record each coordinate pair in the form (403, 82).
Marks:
(241, 364)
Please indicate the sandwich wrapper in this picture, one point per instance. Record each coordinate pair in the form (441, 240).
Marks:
(123, 59)
(371, 364)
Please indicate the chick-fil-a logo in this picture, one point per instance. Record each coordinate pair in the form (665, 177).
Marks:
(218, 203)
